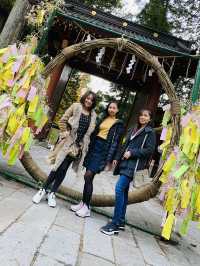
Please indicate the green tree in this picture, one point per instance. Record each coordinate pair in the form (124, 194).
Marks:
(104, 4)
(154, 15)
(185, 20)
(124, 96)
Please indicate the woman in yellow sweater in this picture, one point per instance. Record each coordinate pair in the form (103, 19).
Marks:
(102, 150)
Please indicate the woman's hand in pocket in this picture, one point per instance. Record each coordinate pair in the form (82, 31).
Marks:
(127, 155)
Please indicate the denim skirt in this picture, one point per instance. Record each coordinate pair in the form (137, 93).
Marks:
(96, 158)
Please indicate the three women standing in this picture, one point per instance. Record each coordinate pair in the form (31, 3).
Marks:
(76, 126)
(102, 151)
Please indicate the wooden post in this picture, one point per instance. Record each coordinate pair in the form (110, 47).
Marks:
(196, 87)
(58, 81)
(54, 79)
(140, 101)
(154, 89)
(57, 94)
(147, 97)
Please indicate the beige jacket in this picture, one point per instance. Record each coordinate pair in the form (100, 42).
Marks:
(72, 116)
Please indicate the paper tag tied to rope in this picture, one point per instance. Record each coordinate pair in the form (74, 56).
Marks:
(180, 190)
(24, 100)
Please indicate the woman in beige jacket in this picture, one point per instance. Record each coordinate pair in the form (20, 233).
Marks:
(76, 126)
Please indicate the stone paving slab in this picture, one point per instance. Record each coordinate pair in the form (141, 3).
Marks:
(95, 242)
(153, 255)
(90, 260)
(12, 207)
(21, 240)
(38, 235)
(26, 230)
(174, 255)
(6, 192)
(69, 220)
(43, 260)
(126, 253)
(61, 245)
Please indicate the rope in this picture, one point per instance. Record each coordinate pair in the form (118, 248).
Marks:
(121, 43)
(134, 68)
(112, 60)
(188, 66)
(172, 66)
(123, 65)
(175, 107)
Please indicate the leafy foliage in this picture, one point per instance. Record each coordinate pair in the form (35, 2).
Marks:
(185, 19)
(154, 15)
(122, 95)
(104, 4)
(181, 18)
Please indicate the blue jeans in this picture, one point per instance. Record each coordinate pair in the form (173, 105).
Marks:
(121, 199)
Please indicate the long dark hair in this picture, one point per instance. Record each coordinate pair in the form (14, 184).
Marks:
(85, 95)
(106, 114)
(140, 113)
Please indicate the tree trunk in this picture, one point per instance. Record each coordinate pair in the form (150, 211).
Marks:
(14, 24)
(142, 194)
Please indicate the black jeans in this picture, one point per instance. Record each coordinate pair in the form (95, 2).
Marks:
(56, 177)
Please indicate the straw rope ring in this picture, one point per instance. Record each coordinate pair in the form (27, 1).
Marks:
(146, 191)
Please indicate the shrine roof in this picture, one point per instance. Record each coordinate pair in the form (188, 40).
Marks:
(105, 22)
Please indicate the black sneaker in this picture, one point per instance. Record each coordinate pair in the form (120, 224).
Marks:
(121, 226)
(110, 229)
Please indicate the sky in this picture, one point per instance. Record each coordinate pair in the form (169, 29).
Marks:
(129, 6)
(133, 6)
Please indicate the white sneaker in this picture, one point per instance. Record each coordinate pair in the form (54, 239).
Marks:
(52, 200)
(38, 196)
(84, 211)
(76, 207)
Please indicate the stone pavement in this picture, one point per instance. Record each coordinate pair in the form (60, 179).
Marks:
(38, 235)
(43, 236)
